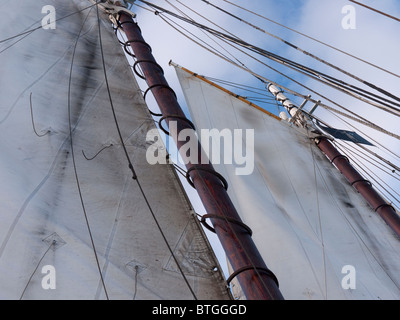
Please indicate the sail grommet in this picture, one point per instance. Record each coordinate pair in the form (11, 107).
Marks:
(154, 86)
(231, 220)
(158, 85)
(175, 117)
(340, 156)
(215, 173)
(265, 270)
(127, 43)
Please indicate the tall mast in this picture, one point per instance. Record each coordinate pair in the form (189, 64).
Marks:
(256, 280)
(363, 186)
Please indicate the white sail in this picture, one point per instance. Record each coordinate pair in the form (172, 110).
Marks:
(318, 236)
(70, 208)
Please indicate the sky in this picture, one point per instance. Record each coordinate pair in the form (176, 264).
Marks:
(370, 36)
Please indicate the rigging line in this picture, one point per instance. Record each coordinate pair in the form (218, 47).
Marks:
(37, 266)
(373, 9)
(11, 45)
(193, 35)
(297, 48)
(371, 176)
(316, 40)
(368, 158)
(252, 89)
(89, 159)
(73, 157)
(397, 168)
(356, 117)
(201, 30)
(144, 8)
(260, 51)
(165, 239)
(130, 165)
(204, 31)
(363, 147)
(196, 42)
(40, 27)
(269, 55)
(33, 123)
(314, 74)
(333, 111)
(27, 28)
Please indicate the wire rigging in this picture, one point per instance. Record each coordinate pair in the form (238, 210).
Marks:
(296, 48)
(33, 122)
(30, 31)
(314, 39)
(284, 61)
(37, 266)
(336, 81)
(355, 116)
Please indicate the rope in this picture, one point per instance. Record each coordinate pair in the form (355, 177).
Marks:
(73, 158)
(355, 116)
(275, 57)
(314, 39)
(40, 27)
(380, 12)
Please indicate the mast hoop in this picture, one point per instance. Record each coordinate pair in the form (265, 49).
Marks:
(384, 205)
(146, 61)
(266, 270)
(154, 86)
(361, 180)
(215, 173)
(175, 116)
(215, 216)
(127, 43)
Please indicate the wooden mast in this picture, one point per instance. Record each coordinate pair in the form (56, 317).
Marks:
(363, 186)
(256, 280)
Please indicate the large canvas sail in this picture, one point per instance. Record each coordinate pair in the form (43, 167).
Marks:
(311, 227)
(75, 224)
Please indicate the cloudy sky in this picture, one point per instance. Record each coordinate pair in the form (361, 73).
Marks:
(373, 37)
